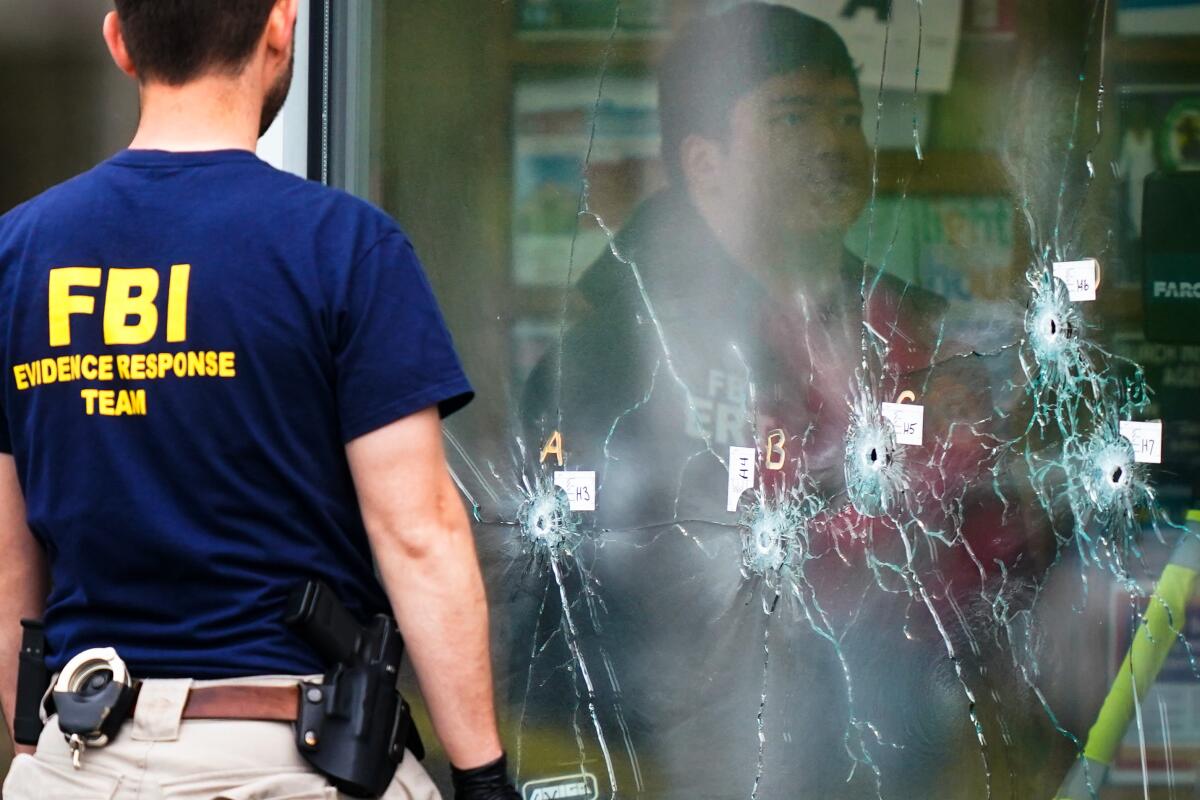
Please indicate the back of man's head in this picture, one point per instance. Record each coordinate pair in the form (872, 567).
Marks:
(176, 41)
(717, 59)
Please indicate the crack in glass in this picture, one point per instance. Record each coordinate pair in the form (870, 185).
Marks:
(869, 608)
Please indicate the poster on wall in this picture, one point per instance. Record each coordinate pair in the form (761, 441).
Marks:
(965, 246)
(590, 17)
(1158, 17)
(530, 339)
(962, 248)
(932, 27)
(1159, 130)
(554, 125)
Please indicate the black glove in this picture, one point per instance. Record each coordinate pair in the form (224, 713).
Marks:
(489, 782)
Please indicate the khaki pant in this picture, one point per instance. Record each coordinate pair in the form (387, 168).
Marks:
(158, 756)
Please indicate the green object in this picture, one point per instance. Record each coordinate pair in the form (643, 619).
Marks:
(1156, 635)
(1179, 138)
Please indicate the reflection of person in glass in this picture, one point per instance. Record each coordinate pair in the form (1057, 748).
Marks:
(729, 313)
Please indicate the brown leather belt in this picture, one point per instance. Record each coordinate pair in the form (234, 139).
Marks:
(270, 703)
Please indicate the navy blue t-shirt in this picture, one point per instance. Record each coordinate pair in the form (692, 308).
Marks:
(189, 340)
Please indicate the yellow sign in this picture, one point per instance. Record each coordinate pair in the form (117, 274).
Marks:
(554, 446)
(776, 451)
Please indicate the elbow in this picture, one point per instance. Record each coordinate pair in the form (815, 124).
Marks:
(441, 531)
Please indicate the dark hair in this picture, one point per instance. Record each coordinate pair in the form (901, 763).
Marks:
(174, 41)
(717, 59)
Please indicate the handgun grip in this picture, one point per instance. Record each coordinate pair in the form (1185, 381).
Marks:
(315, 612)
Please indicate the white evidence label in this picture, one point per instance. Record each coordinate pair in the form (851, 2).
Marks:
(1081, 278)
(908, 420)
(741, 474)
(580, 488)
(1146, 438)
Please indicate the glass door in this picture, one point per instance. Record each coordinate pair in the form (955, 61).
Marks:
(837, 432)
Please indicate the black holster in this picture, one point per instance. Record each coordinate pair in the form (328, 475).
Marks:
(33, 679)
(354, 726)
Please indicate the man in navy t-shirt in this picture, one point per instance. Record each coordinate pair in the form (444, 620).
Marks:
(220, 381)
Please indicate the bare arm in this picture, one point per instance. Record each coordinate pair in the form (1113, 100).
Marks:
(23, 583)
(423, 544)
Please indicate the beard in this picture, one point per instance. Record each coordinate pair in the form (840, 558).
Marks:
(276, 96)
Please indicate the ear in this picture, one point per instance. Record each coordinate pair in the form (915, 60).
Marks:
(116, 44)
(700, 159)
(281, 26)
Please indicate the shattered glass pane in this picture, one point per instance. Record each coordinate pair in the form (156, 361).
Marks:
(837, 430)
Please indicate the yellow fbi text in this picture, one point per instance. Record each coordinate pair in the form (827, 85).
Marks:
(127, 367)
(126, 302)
(130, 313)
(114, 402)
(124, 367)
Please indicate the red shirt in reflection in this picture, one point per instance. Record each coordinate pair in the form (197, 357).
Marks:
(959, 532)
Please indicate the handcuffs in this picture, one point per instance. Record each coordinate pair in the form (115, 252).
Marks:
(93, 697)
